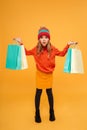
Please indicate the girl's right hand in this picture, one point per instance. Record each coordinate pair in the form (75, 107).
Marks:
(18, 40)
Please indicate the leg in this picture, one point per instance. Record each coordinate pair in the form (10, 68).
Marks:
(51, 103)
(37, 105)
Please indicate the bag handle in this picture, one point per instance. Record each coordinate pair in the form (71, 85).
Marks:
(75, 46)
(17, 41)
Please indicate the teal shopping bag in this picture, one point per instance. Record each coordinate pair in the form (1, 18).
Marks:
(13, 59)
(67, 64)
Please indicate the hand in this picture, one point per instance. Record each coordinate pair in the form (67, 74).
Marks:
(72, 43)
(18, 40)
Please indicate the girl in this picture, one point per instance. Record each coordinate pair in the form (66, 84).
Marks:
(44, 54)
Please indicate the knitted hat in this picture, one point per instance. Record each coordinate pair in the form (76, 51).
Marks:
(43, 31)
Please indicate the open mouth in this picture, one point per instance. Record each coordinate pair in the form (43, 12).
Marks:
(44, 42)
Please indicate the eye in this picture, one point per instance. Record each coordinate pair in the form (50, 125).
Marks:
(41, 37)
(46, 37)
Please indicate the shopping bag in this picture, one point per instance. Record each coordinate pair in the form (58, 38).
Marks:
(13, 59)
(76, 61)
(24, 64)
(67, 64)
(16, 57)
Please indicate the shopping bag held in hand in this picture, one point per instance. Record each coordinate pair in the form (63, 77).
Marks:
(74, 62)
(16, 57)
(13, 59)
(24, 64)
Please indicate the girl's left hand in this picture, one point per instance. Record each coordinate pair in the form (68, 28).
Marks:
(72, 43)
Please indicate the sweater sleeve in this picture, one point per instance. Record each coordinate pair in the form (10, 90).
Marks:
(29, 52)
(63, 52)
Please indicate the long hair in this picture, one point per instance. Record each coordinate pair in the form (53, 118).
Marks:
(40, 48)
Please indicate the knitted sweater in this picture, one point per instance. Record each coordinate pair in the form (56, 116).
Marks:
(43, 62)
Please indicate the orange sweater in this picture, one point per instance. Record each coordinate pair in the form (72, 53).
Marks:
(43, 63)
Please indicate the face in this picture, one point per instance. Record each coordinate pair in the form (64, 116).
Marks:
(44, 40)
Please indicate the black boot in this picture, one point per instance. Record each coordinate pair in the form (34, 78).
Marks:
(37, 116)
(52, 116)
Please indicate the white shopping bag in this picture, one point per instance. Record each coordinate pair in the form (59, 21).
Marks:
(76, 61)
(24, 64)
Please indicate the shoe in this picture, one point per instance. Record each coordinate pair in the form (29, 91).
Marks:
(52, 116)
(37, 116)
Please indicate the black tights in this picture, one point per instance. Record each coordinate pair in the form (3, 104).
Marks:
(38, 95)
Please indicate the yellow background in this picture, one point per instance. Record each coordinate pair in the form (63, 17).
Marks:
(66, 20)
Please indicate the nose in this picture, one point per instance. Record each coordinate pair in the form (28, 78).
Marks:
(44, 38)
